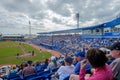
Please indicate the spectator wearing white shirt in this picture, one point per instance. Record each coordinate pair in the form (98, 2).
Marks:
(66, 70)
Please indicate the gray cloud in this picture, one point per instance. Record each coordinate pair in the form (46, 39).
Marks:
(24, 6)
(57, 21)
(48, 15)
(59, 7)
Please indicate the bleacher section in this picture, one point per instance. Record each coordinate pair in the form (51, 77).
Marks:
(69, 44)
(69, 41)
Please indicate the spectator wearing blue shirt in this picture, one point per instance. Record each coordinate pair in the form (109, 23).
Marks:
(80, 56)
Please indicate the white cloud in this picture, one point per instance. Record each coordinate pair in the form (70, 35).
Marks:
(50, 15)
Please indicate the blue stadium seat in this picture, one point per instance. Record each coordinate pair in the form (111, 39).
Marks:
(43, 73)
(54, 70)
(18, 78)
(38, 68)
(37, 78)
(39, 73)
(48, 75)
(30, 76)
(13, 75)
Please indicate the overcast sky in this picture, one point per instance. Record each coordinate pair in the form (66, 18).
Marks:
(51, 15)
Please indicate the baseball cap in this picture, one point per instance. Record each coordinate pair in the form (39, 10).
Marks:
(115, 46)
(53, 58)
(82, 54)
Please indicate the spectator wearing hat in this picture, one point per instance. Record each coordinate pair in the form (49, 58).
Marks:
(66, 70)
(53, 64)
(79, 57)
(115, 53)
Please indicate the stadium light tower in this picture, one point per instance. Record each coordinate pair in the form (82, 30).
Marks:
(29, 29)
(77, 17)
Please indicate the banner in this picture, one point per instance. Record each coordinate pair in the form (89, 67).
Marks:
(112, 34)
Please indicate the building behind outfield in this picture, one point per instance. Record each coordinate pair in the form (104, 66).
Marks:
(12, 37)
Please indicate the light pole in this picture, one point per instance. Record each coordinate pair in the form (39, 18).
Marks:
(52, 38)
(29, 29)
(77, 17)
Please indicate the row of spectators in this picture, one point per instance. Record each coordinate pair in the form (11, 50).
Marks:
(29, 67)
(95, 63)
(70, 43)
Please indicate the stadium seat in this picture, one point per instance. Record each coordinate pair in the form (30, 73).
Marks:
(48, 75)
(30, 76)
(13, 75)
(45, 74)
(54, 70)
(39, 73)
(18, 78)
(36, 78)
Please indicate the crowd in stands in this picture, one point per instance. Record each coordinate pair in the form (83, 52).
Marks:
(69, 44)
(82, 59)
(34, 69)
(92, 65)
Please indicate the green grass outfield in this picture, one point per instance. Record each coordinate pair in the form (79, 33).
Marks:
(8, 51)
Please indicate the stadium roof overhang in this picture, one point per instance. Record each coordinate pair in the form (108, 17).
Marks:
(75, 30)
(62, 31)
(112, 23)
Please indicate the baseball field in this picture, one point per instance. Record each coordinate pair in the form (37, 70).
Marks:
(18, 52)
